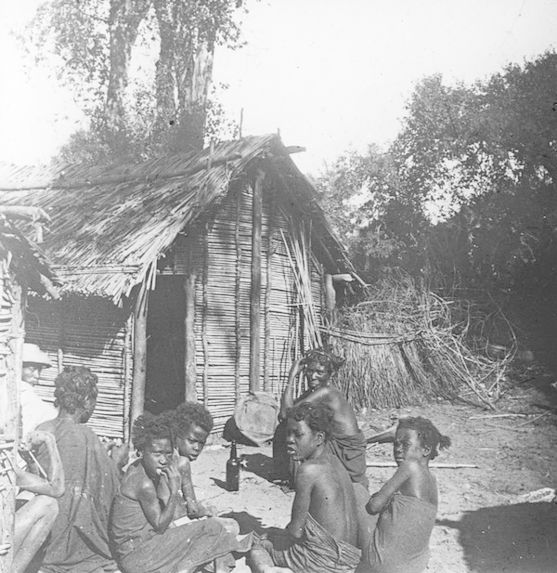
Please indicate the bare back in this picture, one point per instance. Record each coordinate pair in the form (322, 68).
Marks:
(332, 500)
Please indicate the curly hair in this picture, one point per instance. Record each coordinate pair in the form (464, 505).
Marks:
(428, 434)
(188, 414)
(149, 427)
(317, 416)
(331, 362)
(74, 387)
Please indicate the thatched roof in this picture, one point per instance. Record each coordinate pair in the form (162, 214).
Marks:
(113, 223)
(27, 261)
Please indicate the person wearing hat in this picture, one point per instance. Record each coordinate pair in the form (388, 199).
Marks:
(34, 410)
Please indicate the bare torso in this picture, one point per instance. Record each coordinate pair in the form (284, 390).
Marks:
(332, 503)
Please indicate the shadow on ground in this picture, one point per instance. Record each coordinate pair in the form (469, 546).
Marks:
(259, 464)
(518, 538)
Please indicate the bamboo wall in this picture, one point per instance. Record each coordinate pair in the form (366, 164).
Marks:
(11, 339)
(92, 332)
(222, 254)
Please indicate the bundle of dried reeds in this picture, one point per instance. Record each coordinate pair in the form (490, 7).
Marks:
(402, 346)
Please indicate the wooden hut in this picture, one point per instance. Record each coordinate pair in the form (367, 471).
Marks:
(22, 266)
(196, 277)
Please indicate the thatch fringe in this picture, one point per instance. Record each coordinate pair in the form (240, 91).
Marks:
(403, 346)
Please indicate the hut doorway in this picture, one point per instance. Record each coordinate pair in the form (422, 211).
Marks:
(164, 387)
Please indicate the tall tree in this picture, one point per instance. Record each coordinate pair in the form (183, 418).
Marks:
(94, 42)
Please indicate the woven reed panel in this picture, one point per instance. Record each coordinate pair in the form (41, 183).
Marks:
(214, 259)
(90, 332)
(10, 315)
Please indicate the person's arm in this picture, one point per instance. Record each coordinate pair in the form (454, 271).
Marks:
(159, 518)
(287, 400)
(300, 507)
(194, 508)
(379, 500)
(52, 486)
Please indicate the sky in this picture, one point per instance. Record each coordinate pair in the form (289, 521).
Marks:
(331, 75)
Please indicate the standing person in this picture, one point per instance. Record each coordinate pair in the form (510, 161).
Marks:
(145, 535)
(79, 539)
(323, 530)
(407, 503)
(34, 410)
(347, 441)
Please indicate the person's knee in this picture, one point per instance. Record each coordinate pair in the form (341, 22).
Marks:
(46, 507)
(231, 525)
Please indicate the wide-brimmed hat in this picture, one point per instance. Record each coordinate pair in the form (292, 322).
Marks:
(33, 354)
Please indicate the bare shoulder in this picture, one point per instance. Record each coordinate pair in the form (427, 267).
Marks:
(309, 471)
(47, 426)
(184, 465)
(135, 482)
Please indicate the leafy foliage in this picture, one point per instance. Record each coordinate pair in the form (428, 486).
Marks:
(141, 70)
(467, 192)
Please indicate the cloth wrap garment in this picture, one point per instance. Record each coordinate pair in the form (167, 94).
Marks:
(316, 552)
(400, 543)
(351, 451)
(138, 548)
(78, 542)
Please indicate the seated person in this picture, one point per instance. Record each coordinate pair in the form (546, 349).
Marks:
(407, 503)
(144, 535)
(191, 425)
(79, 538)
(34, 519)
(347, 441)
(323, 531)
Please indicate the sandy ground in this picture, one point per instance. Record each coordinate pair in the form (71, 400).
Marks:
(486, 520)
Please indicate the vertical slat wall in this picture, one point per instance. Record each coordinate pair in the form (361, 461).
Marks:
(220, 304)
(11, 332)
(88, 332)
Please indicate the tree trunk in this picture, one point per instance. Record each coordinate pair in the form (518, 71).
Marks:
(184, 74)
(124, 19)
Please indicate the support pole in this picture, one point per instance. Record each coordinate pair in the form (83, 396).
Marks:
(139, 353)
(190, 370)
(255, 295)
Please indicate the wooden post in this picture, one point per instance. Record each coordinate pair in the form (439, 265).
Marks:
(268, 288)
(190, 371)
(205, 307)
(238, 313)
(255, 294)
(11, 354)
(139, 353)
(127, 357)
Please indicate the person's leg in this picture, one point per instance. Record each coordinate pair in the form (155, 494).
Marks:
(260, 561)
(33, 523)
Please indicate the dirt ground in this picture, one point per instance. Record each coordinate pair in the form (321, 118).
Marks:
(487, 521)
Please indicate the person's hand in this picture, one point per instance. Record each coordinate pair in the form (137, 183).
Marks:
(173, 476)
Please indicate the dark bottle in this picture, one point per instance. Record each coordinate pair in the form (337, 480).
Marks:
(233, 469)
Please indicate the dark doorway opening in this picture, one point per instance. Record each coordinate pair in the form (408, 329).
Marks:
(165, 345)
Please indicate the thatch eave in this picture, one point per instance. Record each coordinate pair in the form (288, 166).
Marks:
(113, 223)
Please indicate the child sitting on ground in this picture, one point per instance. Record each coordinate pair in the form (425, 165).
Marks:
(323, 531)
(191, 425)
(143, 534)
(407, 503)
